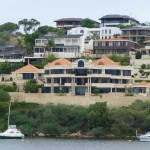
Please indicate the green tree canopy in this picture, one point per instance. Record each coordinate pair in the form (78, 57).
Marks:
(97, 115)
(4, 96)
(138, 55)
(28, 24)
(88, 23)
(31, 86)
(9, 26)
(46, 29)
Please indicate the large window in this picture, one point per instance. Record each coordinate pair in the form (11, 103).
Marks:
(57, 71)
(28, 75)
(68, 71)
(112, 72)
(126, 72)
(46, 71)
(96, 71)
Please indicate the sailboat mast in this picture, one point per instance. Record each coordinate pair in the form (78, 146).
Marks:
(9, 114)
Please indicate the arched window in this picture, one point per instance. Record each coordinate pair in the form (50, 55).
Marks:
(81, 63)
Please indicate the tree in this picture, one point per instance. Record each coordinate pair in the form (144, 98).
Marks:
(5, 68)
(28, 24)
(88, 23)
(29, 40)
(31, 86)
(19, 46)
(97, 115)
(138, 55)
(141, 42)
(9, 26)
(46, 29)
(4, 96)
(49, 58)
(50, 44)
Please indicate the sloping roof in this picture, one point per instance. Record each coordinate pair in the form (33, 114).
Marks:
(112, 39)
(143, 83)
(59, 62)
(69, 19)
(104, 61)
(28, 69)
(118, 16)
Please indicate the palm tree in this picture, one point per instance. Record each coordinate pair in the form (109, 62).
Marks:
(50, 44)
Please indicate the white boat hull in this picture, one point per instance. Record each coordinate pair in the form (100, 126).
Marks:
(11, 137)
(145, 137)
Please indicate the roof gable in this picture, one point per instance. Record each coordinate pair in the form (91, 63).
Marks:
(104, 61)
(59, 62)
(29, 69)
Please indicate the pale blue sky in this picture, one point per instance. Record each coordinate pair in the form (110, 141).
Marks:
(46, 11)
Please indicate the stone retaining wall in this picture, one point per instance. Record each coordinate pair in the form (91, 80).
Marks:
(112, 99)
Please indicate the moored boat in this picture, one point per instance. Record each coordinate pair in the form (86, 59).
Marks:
(12, 132)
(145, 137)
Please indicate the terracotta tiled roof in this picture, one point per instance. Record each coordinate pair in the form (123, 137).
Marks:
(104, 61)
(87, 51)
(142, 83)
(60, 61)
(112, 39)
(28, 69)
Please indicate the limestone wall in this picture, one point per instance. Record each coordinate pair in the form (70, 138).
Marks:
(112, 99)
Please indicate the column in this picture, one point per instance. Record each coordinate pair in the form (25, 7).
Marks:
(88, 85)
(52, 85)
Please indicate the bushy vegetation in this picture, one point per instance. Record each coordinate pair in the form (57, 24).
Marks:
(55, 120)
(7, 67)
(9, 88)
(48, 58)
(31, 86)
(4, 96)
(123, 60)
(138, 55)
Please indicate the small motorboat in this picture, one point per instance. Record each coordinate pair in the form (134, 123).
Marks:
(145, 137)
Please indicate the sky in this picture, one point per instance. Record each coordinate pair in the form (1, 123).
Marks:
(46, 11)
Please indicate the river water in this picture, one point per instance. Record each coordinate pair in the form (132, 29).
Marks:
(72, 144)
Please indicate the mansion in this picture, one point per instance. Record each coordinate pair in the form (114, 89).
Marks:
(80, 77)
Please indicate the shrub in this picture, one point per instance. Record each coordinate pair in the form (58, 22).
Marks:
(4, 96)
(143, 66)
(98, 131)
(7, 88)
(96, 91)
(138, 55)
(31, 86)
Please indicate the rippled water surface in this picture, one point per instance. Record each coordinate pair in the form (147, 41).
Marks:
(72, 144)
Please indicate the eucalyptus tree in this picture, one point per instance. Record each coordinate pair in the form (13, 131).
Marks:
(28, 25)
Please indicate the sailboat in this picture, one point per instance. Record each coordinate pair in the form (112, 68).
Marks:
(12, 132)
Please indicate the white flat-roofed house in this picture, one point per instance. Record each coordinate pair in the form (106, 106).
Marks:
(65, 46)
